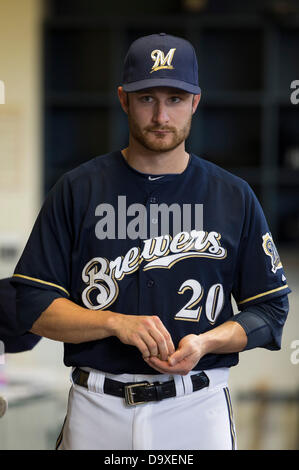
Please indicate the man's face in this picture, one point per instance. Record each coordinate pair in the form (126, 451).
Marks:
(160, 118)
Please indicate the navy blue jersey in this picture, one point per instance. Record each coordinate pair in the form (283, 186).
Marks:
(101, 241)
(13, 340)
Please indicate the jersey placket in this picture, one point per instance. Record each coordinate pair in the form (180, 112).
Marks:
(147, 283)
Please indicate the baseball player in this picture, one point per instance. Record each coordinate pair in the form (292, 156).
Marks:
(132, 263)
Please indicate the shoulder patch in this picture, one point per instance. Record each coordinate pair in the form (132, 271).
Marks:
(271, 251)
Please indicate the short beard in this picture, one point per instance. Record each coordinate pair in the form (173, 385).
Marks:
(179, 135)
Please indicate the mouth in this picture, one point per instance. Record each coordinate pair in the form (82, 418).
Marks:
(160, 132)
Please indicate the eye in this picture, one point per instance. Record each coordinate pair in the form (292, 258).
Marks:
(175, 99)
(146, 99)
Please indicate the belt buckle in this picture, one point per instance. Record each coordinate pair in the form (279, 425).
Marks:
(129, 393)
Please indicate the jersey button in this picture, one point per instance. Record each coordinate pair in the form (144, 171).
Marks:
(150, 283)
(153, 200)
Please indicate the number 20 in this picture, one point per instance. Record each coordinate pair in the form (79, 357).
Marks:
(214, 302)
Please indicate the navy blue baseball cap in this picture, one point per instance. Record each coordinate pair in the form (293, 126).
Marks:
(161, 60)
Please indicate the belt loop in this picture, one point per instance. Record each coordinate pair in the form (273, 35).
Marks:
(71, 374)
(179, 385)
(95, 382)
(188, 386)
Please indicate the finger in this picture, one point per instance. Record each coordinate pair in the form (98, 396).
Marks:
(142, 346)
(163, 366)
(161, 345)
(163, 350)
(184, 350)
(151, 361)
(178, 356)
(170, 345)
(166, 346)
(151, 343)
(168, 339)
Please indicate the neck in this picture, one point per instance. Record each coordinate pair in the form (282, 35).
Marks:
(155, 163)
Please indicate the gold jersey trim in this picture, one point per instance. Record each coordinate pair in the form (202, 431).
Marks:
(42, 282)
(262, 294)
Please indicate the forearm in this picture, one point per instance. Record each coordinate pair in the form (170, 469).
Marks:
(227, 338)
(66, 321)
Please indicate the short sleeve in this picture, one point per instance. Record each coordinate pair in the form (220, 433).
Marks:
(259, 271)
(13, 340)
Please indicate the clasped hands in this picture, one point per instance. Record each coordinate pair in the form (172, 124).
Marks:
(154, 342)
(182, 360)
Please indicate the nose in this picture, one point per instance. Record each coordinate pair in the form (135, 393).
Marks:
(160, 115)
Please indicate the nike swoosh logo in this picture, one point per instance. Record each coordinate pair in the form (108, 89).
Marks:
(153, 179)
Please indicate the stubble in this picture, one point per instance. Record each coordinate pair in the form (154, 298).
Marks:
(155, 142)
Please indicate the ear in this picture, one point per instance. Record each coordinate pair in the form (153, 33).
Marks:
(123, 98)
(195, 102)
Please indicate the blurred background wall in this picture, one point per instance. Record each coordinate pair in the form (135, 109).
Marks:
(20, 125)
(61, 62)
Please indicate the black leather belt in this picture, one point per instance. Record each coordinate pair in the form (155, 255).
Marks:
(137, 393)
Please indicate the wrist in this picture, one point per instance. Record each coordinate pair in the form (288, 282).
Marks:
(206, 342)
(112, 322)
(215, 339)
(224, 339)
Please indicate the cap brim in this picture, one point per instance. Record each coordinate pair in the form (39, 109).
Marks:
(157, 82)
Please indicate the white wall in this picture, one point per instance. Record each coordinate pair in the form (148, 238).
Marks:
(21, 145)
(20, 122)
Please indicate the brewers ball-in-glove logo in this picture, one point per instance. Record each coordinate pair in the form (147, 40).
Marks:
(270, 250)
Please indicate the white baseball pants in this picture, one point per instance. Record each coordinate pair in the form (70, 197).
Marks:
(201, 420)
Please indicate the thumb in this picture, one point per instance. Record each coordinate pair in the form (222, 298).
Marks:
(177, 356)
